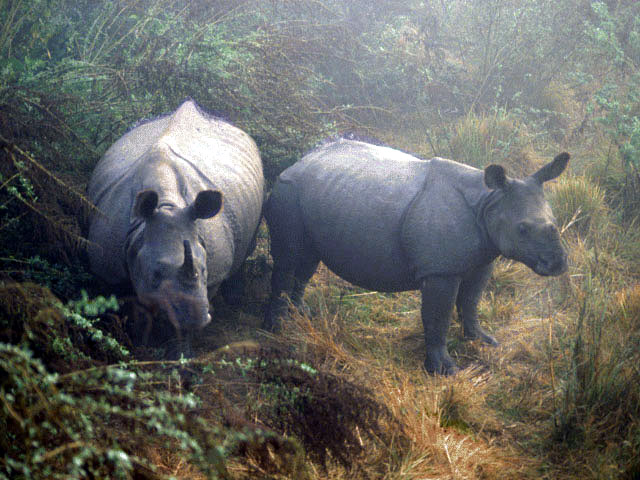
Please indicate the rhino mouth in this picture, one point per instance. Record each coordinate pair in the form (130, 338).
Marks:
(184, 311)
(545, 265)
(191, 313)
(549, 265)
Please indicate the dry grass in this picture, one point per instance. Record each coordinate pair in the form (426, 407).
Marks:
(579, 204)
(521, 410)
(501, 416)
(452, 434)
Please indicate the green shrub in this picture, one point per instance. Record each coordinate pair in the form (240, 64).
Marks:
(63, 337)
(74, 405)
(96, 422)
(607, 168)
(64, 281)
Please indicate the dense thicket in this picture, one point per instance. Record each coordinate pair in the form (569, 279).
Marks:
(75, 75)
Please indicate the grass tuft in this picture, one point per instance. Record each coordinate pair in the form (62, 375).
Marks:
(578, 204)
(498, 137)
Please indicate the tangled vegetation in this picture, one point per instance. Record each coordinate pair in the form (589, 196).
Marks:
(341, 395)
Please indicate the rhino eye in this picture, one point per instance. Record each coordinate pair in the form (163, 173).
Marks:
(524, 229)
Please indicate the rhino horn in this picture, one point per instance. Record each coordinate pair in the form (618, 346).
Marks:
(188, 269)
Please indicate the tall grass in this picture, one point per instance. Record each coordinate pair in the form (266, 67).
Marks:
(438, 415)
(578, 204)
(600, 407)
(570, 381)
(497, 137)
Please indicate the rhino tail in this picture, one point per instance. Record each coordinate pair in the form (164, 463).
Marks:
(284, 218)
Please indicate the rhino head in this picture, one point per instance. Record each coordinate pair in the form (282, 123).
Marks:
(168, 263)
(519, 220)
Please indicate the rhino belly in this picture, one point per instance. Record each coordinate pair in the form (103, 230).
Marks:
(359, 245)
(370, 268)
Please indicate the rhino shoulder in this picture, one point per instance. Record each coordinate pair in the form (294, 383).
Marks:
(439, 232)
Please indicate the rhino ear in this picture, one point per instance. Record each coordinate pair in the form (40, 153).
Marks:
(553, 169)
(494, 177)
(145, 204)
(207, 204)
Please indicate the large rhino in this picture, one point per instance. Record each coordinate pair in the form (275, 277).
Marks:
(179, 200)
(387, 221)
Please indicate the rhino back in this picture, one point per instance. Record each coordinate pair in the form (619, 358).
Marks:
(121, 157)
(353, 197)
(197, 152)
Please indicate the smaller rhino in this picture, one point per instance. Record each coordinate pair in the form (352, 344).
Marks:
(387, 221)
(179, 200)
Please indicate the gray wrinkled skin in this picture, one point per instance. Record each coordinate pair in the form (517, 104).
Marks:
(178, 203)
(387, 221)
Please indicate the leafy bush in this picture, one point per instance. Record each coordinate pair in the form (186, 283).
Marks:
(63, 337)
(74, 403)
(613, 42)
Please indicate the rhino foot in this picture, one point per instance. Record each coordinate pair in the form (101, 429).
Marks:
(180, 348)
(480, 333)
(272, 319)
(439, 362)
(282, 308)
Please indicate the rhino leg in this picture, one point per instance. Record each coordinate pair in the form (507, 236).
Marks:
(469, 294)
(232, 289)
(182, 346)
(304, 271)
(286, 231)
(288, 285)
(289, 280)
(438, 297)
